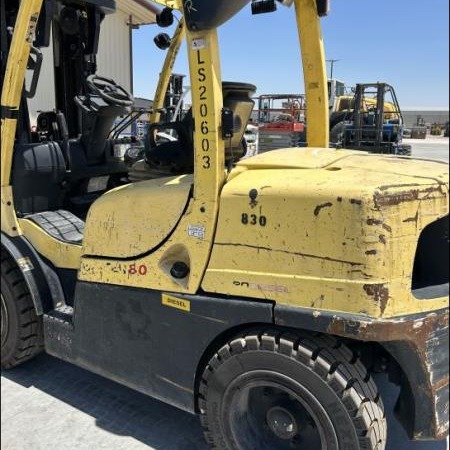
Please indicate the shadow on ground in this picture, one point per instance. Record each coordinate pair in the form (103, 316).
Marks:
(124, 412)
(115, 408)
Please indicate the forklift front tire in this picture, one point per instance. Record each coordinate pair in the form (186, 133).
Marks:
(282, 391)
(21, 329)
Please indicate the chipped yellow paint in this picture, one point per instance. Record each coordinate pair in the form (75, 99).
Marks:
(136, 217)
(327, 235)
(10, 96)
(15, 76)
(328, 230)
(177, 303)
(9, 222)
(61, 254)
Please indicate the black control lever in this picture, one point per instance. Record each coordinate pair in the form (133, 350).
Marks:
(64, 130)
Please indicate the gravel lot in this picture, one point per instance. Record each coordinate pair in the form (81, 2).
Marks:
(48, 404)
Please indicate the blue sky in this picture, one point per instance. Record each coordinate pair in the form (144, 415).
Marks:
(402, 42)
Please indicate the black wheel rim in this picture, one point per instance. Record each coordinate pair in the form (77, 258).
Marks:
(4, 321)
(268, 411)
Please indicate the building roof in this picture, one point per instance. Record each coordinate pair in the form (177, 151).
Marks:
(142, 103)
(143, 11)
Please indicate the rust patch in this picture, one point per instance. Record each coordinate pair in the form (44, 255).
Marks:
(374, 222)
(381, 200)
(390, 186)
(320, 207)
(380, 294)
(427, 341)
(387, 227)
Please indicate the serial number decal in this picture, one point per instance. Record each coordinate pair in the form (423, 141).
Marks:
(137, 270)
(203, 96)
(253, 219)
(177, 303)
(197, 231)
(198, 44)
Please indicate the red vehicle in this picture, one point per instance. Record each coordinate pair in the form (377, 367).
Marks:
(281, 121)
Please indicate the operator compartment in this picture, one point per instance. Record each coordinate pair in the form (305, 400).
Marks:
(291, 218)
(66, 160)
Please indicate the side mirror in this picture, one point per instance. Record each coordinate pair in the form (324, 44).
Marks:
(163, 41)
(323, 7)
(263, 6)
(165, 18)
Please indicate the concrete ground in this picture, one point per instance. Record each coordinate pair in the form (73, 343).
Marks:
(432, 148)
(48, 404)
(51, 405)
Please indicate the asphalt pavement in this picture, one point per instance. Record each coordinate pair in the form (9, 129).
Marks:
(48, 404)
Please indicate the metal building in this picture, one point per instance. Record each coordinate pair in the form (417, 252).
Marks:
(114, 57)
(416, 116)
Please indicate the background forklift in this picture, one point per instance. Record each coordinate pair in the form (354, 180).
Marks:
(370, 120)
(281, 121)
(259, 294)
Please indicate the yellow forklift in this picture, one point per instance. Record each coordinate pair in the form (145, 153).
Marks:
(260, 294)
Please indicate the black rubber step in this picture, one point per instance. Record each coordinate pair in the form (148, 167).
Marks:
(62, 314)
(58, 332)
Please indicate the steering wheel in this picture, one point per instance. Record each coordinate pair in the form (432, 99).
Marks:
(109, 91)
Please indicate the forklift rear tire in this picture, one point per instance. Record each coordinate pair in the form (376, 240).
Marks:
(275, 391)
(21, 329)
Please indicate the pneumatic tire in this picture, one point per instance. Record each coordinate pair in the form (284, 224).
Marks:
(278, 391)
(21, 329)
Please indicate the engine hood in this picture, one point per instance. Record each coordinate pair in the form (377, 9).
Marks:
(389, 167)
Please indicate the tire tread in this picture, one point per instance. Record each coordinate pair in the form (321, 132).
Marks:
(30, 325)
(330, 359)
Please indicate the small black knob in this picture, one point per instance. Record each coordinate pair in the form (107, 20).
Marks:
(180, 270)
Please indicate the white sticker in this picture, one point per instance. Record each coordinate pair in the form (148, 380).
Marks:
(25, 264)
(197, 231)
(198, 44)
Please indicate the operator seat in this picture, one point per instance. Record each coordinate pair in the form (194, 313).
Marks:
(177, 156)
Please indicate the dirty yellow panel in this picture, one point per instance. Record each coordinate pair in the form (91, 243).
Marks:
(342, 237)
(61, 254)
(14, 77)
(134, 219)
(9, 222)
